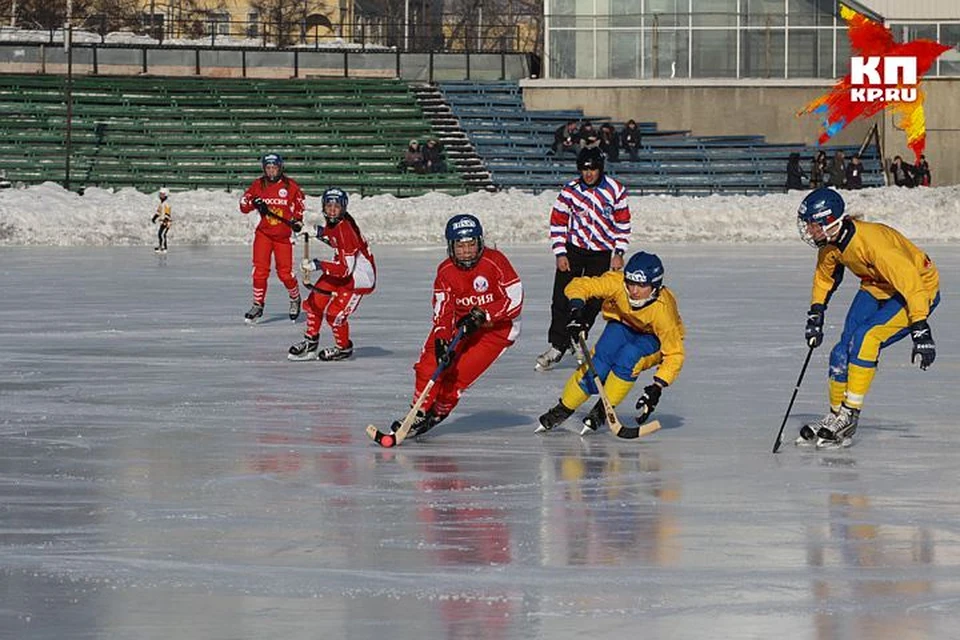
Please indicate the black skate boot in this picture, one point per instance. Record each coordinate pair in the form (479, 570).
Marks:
(255, 313)
(418, 422)
(554, 417)
(329, 354)
(430, 421)
(838, 432)
(808, 432)
(595, 419)
(294, 309)
(305, 349)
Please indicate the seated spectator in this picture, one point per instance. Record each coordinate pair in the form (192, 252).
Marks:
(902, 173)
(921, 172)
(589, 137)
(566, 138)
(433, 157)
(795, 173)
(837, 171)
(855, 173)
(630, 139)
(413, 158)
(818, 170)
(610, 142)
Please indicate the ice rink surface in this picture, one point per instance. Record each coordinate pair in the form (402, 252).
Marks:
(165, 472)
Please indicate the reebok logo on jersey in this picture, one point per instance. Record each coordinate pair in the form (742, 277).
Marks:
(480, 284)
(475, 301)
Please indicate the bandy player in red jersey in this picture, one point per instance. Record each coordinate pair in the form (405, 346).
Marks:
(279, 201)
(477, 291)
(344, 279)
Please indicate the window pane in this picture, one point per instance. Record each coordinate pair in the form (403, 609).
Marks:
(811, 53)
(563, 54)
(812, 13)
(764, 13)
(715, 13)
(563, 7)
(666, 52)
(625, 54)
(761, 53)
(908, 32)
(950, 61)
(667, 13)
(715, 53)
(843, 53)
(626, 13)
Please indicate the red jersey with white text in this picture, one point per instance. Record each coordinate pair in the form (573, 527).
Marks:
(284, 198)
(352, 266)
(492, 284)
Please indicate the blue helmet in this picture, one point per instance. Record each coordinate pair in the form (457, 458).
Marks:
(464, 227)
(272, 158)
(646, 269)
(339, 196)
(823, 207)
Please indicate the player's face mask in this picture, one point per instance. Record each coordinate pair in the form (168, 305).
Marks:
(466, 251)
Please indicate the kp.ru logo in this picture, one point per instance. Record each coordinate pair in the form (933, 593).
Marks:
(898, 83)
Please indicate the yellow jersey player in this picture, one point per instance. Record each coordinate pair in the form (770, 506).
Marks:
(643, 330)
(165, 218)
(899, 289)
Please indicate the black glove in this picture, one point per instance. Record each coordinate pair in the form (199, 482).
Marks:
(261, 206)
(441, 348)
(296, 225)
(923, 347)
(576, 323)
(472, 321)
(814, 332)
(648, 402)
(154, 218)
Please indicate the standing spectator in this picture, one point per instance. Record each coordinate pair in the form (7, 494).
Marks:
(566, 138)
(279, 201)
(433, 157)
(818, 170)
(610, 142)
(589, 137)
(795, 173)
(902, 173)
(922, 172)
(630, 139)
(589, 232)
(413, 158)
(163, 214)
(837, 172)
(349, 275)
(855, 173)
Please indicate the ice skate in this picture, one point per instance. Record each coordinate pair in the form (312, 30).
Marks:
(294, 309)
(553, 418)
(594, 420)
(839, 431)
(808, 432)
(423, 422)
(307, 349)
(254, 314)
(549, 359)
(329, 354)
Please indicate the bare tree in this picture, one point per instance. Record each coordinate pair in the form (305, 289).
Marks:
(287, 21)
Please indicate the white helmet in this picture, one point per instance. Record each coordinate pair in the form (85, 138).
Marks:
(164, 192)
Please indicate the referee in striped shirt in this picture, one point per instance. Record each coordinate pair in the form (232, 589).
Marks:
(589, 233)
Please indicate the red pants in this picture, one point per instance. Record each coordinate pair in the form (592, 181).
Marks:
(282, 250)
(336, 307)
(474, 355)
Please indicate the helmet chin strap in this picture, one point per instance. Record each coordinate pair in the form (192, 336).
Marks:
(640, 304)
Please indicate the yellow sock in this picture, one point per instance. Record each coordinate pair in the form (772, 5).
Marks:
(858, 383)
(837, 392)
(573, 396)
(617, 388)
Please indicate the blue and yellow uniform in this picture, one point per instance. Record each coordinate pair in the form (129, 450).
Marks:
(899, 285)
(633, 340)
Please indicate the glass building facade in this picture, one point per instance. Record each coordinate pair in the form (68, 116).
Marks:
(713, 39)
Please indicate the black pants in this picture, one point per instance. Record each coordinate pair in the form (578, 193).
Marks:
(582, 263)
(162, 235)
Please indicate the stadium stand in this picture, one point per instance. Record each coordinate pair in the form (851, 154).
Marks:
(513, 145)
(184, 133)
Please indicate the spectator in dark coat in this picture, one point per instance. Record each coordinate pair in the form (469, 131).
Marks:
(902, 173)
(795, 173)
(630, 139)
(837, 172)
(921, 172)
(589, 137)
(566, 138)
(413, 158)
(855, 173)
(609, 142)
(433, 157)
(818, 170)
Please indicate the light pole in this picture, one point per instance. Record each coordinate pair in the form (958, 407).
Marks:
(68, 48)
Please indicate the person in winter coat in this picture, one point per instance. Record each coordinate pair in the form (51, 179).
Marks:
(795, 173)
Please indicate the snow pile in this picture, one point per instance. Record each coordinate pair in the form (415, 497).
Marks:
(49, 215)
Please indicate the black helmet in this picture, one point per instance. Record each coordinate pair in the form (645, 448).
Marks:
(590, 158)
